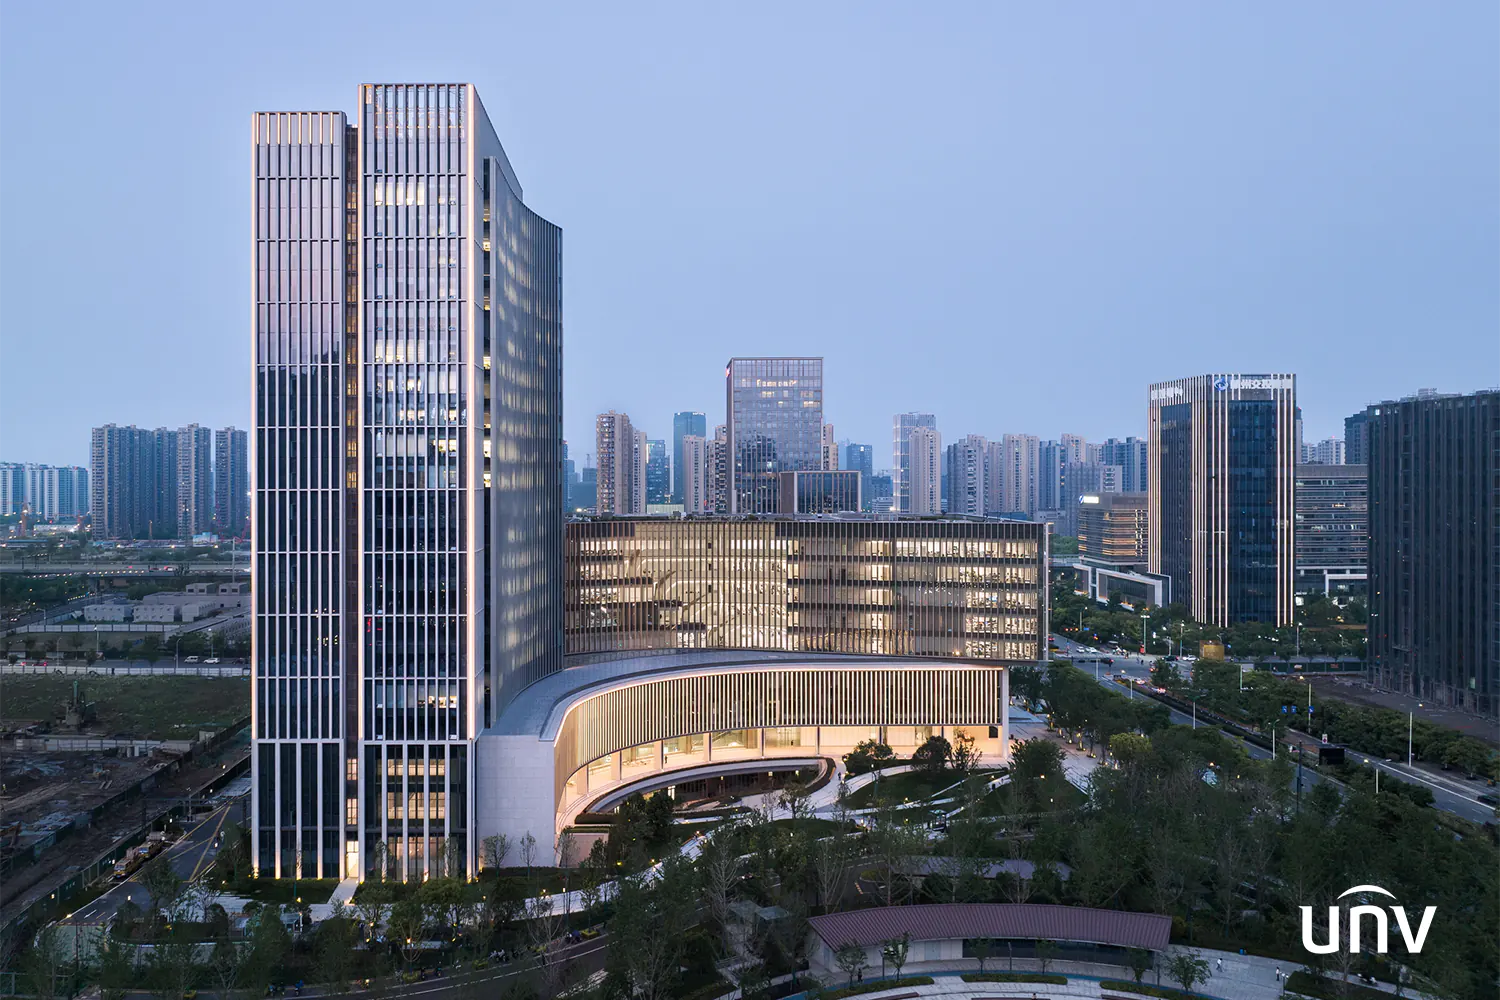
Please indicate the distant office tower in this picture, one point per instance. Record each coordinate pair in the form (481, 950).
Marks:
(1357, 438)
(830, 462)
(903, 425)
(861, 458)
(232, 482)
(775, 410)
(1333, 529)
(49, 492)
(1222, 475)
(692, 471)
(586, 495)
(1082, 479)
(968, 480)
(1434, 557)
(880, 492)
(408, 352)
(658, 473)
(615, 446)
(569, 477)
(1130, 456)
(1013, 462)
(1326, 452)
(1112, 528)
(195, 484)
(924, 457)
(684, 423)
(819, 492)
(133, 479)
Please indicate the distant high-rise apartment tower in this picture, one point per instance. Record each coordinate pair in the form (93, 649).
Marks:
(1013, 462)
(692, 472)
(1130, 456)
(830, 461)
(407, 340)
(775, 409)
(658, 473)
(1434, 549)
(133, 482)
(684, 423)
(968, 479)
(902, 426)
(49, 492)
(718, 462)
(1075, 449)
(1050, 464)
(195, 483)
(641, 455)
(1357, 438)
(924, 454)
(1222, 475)
(616, 445)
(1329, 451)
(232, 482)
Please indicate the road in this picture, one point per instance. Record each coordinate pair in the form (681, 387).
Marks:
(189, 857)
(1448, 795)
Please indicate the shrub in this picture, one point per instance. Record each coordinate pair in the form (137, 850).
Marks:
(1015, 977)
(879, 986)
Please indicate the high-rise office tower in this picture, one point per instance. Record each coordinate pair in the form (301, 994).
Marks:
(1130, 456)
(569, 479)
(658, 473)
(586, 494)
(775, 409)
(1081, 479)
(1357, 438)
(195, 484)
(830, 462)
(1013, 462)
(407, 448)
(968, 479)
(902, 426)
(641, 456)
(1434, 549)
(133, 480)
(1333, 529)
(684, 423)
(1111, 528)
(1221, 475)
(924, 456)
(615, 444)
(693, 475)
(860, 458)
(232, 482)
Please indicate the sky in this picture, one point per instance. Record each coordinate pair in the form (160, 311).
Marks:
(1013, 215)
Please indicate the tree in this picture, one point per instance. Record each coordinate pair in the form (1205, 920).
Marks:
(116, 960)
(1188, 969)
(851, 960)
(755, 981)
(528, 851)
(932, 757)
(374, 897)
(405, 925)
(496, 847)
(269, 943)
(869, 755)
(1046, 953)
(1140, 962)
(44, 963)
(1026, 682)
(719, 867)
(895, 950)
(173, 967)
(983, 949)
(650, 925)
(831, 857)
(966, 754)
(164, 886)
(226, 966)
(594, 870)
(334, 947)
(793, 799)
(892, 841)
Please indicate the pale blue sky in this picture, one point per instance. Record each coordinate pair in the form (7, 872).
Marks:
(1013, 215)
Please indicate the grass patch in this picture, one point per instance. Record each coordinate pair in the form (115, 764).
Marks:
(880, 986)
(718, 987)
(911, 785)
(1318, 986)
(283, 890)
(813, 826)
(1166, 993)
(159, 707)
(1015, 977)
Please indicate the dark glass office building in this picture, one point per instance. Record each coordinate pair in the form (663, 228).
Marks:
(684, 424)
(1435, 549)
(819, 492)
(658, 473)
(1221, 478)
(1333, 529)
(775, 408)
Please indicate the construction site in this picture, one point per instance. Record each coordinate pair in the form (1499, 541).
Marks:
(91, 767)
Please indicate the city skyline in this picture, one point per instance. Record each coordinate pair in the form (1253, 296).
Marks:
(1284, 293)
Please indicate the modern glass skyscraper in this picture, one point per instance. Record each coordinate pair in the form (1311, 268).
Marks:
(405, 469)
(775, 408)
(1222, 480)
(687, 422)
(658, 472)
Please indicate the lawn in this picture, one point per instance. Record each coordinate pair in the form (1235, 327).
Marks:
(814, 827)
(908, 785)
(152, 707)
(282, 890)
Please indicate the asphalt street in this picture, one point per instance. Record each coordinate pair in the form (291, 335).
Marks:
(189, 857)
(1448, 794)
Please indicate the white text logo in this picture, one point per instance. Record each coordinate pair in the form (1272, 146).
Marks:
(1356, 922)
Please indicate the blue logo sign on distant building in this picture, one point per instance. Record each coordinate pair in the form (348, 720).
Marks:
(1221, 383)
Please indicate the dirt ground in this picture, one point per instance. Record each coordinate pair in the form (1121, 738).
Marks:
(153, 707)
